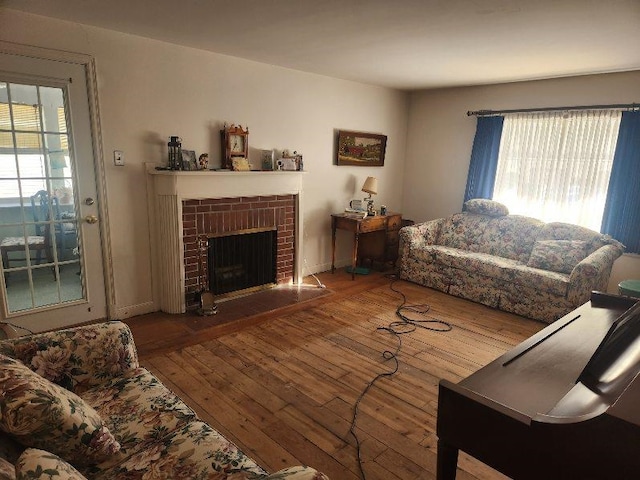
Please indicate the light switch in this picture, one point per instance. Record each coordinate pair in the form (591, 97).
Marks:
(118, 158)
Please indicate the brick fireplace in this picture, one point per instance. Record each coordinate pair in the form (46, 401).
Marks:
(203, 218)
(186, 206)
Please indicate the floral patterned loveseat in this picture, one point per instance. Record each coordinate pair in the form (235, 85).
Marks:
(510, 262)
(75, 404)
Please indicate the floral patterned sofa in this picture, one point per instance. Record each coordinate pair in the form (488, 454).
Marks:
(510, 262)
(75, 404)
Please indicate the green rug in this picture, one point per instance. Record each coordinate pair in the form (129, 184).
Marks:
(359, 270)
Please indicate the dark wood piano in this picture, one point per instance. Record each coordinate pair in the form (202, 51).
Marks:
(563, 404)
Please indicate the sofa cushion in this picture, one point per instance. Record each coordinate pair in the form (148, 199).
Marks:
(504, 269)
(195, 451)
(557, 255)
(509, 237)
(139, 410)
(462, 230)
(7, 470)
(538, 279)
(484, 206)
(36, 464)
(566, 231)
(41, 414)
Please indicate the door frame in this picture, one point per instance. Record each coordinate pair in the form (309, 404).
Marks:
(89, 65)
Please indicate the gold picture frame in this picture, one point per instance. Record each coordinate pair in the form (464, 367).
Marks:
(360, 149)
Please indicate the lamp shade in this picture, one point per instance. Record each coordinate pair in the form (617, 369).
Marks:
(370, 185)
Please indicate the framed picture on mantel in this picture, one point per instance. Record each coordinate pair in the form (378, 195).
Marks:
(361, 149)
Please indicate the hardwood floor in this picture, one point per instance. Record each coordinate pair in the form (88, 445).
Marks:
(282, 385)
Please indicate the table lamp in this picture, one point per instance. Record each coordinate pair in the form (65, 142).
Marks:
(371, 187)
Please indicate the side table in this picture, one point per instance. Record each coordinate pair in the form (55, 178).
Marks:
(389, 223)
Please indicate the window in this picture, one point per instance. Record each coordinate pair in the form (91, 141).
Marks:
(34, 147)
(555, 166)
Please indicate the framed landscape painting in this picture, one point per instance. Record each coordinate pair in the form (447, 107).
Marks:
(362, 149)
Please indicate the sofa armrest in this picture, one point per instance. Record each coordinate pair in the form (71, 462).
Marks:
(77, 358)
(592, 273)
(426, 232)
(296, 473)
(420, 233)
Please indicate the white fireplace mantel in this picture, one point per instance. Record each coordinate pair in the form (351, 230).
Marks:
(167, 189)
(216, 184)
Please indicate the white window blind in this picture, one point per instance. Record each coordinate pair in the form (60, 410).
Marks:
(22, 122)
(555, 166)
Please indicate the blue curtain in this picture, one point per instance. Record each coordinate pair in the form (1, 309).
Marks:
(621, 217)
(484, 158)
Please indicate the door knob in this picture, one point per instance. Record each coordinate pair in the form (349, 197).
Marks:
(91, 219)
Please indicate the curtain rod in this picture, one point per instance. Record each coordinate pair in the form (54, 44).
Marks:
(483, 113)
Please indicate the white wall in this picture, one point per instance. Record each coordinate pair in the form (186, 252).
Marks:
(441, 136)
(149, 90)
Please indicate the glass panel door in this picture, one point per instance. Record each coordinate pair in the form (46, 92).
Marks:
(52, 272)
(39, 231)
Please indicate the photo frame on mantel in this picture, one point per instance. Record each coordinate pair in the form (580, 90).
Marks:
(189, 160)
(360, 149)
(266, 159)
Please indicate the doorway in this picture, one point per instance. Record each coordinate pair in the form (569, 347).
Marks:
(50, 237)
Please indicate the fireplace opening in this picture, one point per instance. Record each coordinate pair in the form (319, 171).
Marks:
(241, 260)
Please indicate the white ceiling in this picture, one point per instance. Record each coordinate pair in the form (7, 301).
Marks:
(404, 44)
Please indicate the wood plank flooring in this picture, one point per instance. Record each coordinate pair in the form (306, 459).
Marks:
(282, 385)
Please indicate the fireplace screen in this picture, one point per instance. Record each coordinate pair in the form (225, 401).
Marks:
(242, 260)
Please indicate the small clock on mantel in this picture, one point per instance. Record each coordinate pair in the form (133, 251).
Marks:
(235, 144)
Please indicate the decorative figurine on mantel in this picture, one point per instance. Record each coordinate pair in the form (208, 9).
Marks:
(203, 161)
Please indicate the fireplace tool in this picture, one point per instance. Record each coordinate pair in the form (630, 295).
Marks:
(205, 299)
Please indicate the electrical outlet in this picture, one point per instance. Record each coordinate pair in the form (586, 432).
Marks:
(118, 158)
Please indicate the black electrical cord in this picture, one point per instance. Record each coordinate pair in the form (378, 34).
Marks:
(397, 328)
(3, 322)
(409, 325)
(388, 355)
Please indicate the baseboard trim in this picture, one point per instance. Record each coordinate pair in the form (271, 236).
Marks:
(134, 310)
